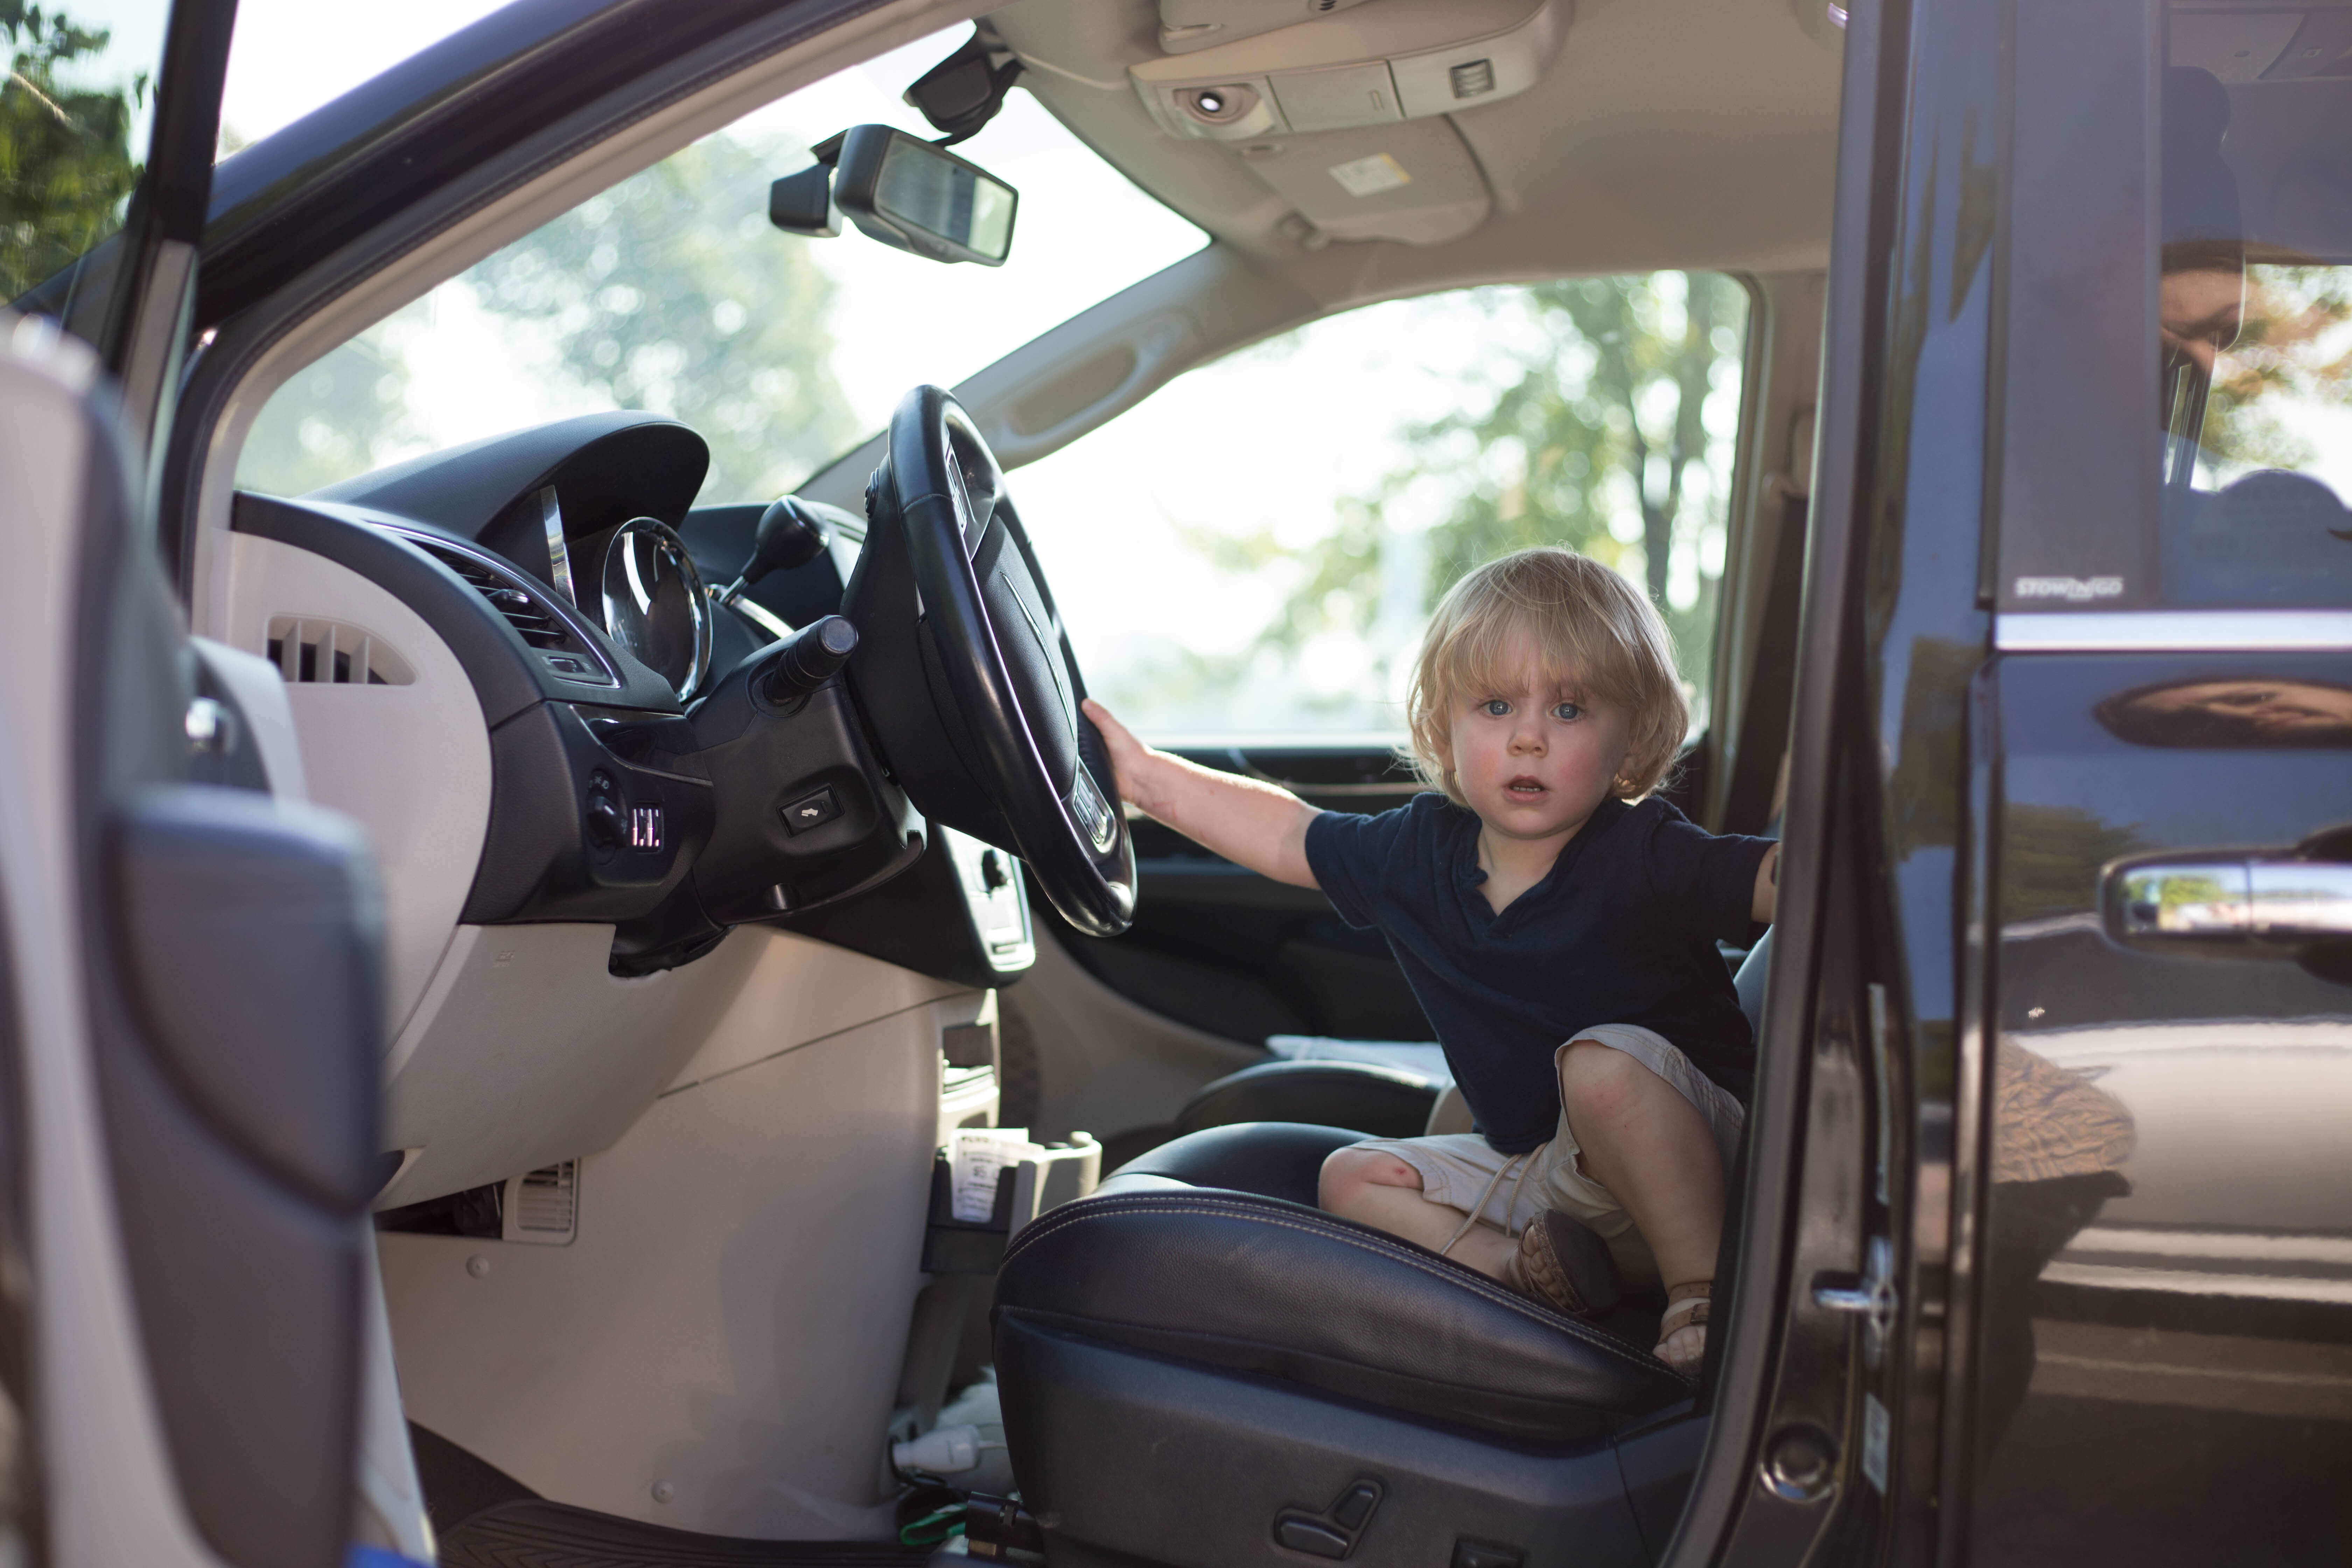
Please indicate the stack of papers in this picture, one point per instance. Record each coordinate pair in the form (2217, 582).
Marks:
(975, 1154)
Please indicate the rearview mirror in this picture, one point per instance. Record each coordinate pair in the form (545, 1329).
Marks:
(907, 192)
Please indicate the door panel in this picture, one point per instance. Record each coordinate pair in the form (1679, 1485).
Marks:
(199, 1060)
(2163, 1341)
(2168, 1284)
(1225, 950)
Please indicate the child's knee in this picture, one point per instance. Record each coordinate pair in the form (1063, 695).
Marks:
(1598, 1080)
(1346, 1172)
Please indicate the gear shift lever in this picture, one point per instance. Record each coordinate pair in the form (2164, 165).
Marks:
(790, 535)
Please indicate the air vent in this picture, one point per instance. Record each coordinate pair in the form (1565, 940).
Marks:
(310, 651)
(544, 1205)
(528, 606)
(518, 605)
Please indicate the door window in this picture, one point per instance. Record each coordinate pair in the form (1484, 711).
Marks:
(2254, 316)
(1256, 549)
(74, 110)
(2178, 417)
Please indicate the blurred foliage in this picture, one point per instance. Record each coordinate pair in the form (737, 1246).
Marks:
(338, 416)
(2051, 856)
(65, 156)
(2292, 349)
(1592, 439)
(669, 293)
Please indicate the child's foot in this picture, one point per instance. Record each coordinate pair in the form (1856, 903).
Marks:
(1682, 1332)
(1562, 1264)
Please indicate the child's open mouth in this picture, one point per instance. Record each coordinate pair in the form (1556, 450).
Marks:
(1524, 788)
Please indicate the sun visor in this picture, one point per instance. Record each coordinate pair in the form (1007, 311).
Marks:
(1374, 63)
(1414, 182)
(1188, 25)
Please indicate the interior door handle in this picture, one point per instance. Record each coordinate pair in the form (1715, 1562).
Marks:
(2216, 900)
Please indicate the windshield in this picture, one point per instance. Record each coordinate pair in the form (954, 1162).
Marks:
(671, 293)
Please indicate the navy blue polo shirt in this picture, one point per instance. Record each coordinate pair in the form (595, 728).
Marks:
(1622, 930)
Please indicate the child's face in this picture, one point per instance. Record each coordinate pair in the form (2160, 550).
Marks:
(1532, 758)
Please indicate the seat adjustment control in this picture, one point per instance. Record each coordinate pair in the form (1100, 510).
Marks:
(1485, 1554)
(1332, 1533)
(1355, 1506)
(1311, 1536)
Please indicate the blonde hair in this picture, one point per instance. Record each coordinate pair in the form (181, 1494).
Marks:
(1594, 632)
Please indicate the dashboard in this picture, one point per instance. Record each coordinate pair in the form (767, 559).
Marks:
(647, 770)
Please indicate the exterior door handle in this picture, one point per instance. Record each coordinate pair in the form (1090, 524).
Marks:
(2221, 900)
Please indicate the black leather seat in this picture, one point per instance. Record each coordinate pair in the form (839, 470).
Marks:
(1200, 1368)
(1377, 1101)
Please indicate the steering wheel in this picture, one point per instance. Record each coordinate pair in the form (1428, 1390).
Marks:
(950, 604)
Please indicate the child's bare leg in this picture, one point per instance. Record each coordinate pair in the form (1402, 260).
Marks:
(1654, 1152)
(1373, 1187)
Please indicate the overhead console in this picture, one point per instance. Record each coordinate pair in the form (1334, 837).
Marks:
(1353, 112)
(1381, 62)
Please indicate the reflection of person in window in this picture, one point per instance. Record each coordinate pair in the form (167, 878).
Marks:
(2232, 713)
(2201, 298)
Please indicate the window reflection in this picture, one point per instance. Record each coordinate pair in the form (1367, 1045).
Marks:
(2233, 712)
(2255, 324)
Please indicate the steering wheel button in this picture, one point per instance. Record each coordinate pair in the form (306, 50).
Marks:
(812, 811)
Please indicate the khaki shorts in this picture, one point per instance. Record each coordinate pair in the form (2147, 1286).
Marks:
(1460, 1170)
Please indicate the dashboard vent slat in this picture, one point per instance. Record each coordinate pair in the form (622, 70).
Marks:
(526, 608)
(544, 1206)
(311, 650)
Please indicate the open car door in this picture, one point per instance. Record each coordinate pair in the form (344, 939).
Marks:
(189, 954)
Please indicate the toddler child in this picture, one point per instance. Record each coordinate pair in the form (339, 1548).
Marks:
(1558, 923)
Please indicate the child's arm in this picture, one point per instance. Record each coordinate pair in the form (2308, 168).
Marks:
(1768, 886)
(1254, 825)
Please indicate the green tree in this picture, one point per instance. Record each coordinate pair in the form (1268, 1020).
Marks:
(65, 151)
(1594, 440)
(2051, 856)
(672, 293)
(2291, 351)
(338, 416)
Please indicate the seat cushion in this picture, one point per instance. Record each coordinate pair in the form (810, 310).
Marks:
(1273, 1159)
(1261, 1286)
(1377, 1101)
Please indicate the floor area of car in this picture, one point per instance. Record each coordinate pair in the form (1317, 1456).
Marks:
(555, 1535)
(484, 1518)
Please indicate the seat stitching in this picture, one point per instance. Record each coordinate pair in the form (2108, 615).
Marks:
(1477, 1283)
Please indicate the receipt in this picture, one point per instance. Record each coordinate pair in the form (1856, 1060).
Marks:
(974, 1157)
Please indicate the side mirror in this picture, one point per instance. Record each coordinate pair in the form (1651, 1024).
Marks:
(910, 194)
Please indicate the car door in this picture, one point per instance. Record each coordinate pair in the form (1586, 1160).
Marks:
(190, 952)
(2163, 1296)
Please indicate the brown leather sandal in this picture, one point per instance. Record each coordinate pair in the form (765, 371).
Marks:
(1561, 1263)
(1683, 1345)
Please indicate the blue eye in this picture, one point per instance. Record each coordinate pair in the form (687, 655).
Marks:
(1496, 707)
(1567, 713)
